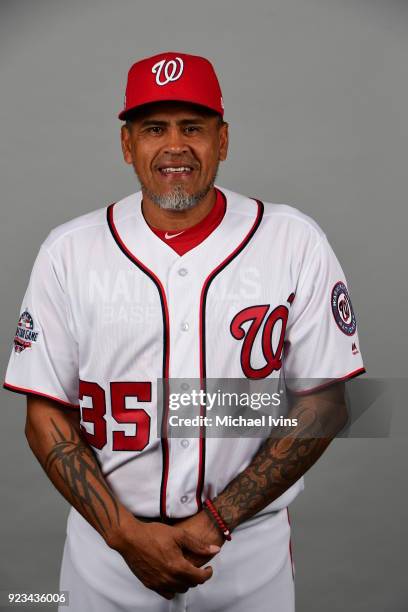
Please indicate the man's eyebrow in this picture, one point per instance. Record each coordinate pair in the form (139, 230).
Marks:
(162, 123)
(197, 119)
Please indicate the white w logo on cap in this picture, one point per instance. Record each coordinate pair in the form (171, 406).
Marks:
(172, 70)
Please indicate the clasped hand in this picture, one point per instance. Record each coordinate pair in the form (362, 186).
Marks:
(170, 559)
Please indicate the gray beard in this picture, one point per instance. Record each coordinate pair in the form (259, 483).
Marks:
(178, 199)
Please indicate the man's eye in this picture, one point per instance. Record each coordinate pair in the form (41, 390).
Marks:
(155, 129)
(190, 129)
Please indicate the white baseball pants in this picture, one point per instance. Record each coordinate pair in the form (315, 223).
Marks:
(252, 572)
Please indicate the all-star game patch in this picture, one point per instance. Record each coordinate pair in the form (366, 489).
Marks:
(25, 332)
(342, 309)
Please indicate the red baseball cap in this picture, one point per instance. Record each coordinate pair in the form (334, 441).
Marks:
(173, 76)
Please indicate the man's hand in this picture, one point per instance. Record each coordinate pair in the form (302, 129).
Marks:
(158, 555)
(202, 526)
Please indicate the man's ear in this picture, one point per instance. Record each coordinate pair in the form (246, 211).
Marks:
(224, 140)
(125, 137)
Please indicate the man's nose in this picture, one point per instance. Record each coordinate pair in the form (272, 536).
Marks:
(176, 142)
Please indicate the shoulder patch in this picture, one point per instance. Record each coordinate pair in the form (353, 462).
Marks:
(342, 309)
(25, 332)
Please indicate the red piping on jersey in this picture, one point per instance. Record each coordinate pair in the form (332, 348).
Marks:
(332, 381)
(24, 391)
(203, 299)
(166, 351)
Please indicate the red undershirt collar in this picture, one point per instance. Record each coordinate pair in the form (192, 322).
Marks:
(187, 239)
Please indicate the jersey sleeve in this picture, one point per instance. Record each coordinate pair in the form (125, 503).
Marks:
(44, 356)
(321, 341)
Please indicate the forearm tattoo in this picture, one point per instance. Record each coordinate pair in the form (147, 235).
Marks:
(78, 468)
(279, 463)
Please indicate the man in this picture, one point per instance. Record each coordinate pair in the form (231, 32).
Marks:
(181, 280)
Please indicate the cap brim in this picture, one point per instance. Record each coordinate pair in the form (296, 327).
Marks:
(126, 113)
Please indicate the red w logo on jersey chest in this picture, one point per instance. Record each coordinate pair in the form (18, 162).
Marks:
(264, 325)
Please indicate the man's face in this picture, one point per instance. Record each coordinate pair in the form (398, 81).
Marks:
(175, 149)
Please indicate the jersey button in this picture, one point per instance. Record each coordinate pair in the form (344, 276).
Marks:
(183, 272)
(184, 499)
(185, 326)
(185, 443)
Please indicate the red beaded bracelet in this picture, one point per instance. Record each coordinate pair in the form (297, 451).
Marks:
(220, 522)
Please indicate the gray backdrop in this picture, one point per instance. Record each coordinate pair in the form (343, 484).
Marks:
(316, 93)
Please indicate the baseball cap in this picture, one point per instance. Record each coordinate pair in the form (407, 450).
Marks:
(172, 76)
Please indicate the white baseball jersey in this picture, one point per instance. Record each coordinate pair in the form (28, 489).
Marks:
(110, 309)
